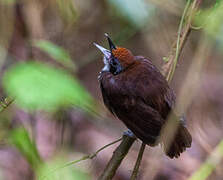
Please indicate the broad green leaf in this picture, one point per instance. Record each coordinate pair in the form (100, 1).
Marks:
(218, 2)
(136, 12)
(21, 140)
(56, 52)
(39, 86)
(54, 170)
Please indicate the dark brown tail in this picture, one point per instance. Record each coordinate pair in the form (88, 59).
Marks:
(182, 140)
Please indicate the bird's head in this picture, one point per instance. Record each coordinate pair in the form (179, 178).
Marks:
(116, 59)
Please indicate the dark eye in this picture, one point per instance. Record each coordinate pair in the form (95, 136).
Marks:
(115, 67)
(114, 62)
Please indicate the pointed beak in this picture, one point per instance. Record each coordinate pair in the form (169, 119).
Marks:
(106, 52)
(111, 44)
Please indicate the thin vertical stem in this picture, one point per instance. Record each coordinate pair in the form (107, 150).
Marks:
(138, 162)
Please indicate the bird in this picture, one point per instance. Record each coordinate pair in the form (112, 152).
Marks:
(134, 91)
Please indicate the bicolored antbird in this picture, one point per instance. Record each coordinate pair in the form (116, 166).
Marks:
(136, 92)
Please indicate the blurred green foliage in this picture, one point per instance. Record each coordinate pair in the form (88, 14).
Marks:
(20, 139)
(39, 86)
(211, 20)
(7, 1)
(136, 12)
(67, 10)
(56, 52)
(52, 170)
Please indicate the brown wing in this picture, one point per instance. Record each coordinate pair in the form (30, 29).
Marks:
(127, 96)
(141, 119)
(150, 86)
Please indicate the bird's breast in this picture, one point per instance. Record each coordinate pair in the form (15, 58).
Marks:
(112, 81)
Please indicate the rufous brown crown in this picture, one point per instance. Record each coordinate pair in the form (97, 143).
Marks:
(124, 56)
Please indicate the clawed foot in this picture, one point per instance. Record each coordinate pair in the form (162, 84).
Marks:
(129, 133)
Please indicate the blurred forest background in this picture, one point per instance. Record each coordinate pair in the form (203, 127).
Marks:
(51, 109)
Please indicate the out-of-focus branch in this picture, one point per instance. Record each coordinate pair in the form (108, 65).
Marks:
(168, 70)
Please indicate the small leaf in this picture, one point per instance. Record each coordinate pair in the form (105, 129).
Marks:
(165, 59)
(21, 140)
(56, 52)
(39, 86)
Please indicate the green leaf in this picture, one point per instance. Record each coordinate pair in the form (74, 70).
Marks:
(21, 140)
(165, 59)
(136, 12)
(56, 52)
(39, 86)
(211, 19)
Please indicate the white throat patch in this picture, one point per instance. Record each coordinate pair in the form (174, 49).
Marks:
(107, 66)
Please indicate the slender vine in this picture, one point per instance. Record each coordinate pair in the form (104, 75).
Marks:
(171, 72)
(86, 157)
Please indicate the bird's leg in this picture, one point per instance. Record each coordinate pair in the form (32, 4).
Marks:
(129, 133)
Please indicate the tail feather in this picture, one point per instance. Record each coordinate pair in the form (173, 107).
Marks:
(181, 141)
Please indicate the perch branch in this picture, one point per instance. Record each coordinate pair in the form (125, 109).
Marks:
(118, 156)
